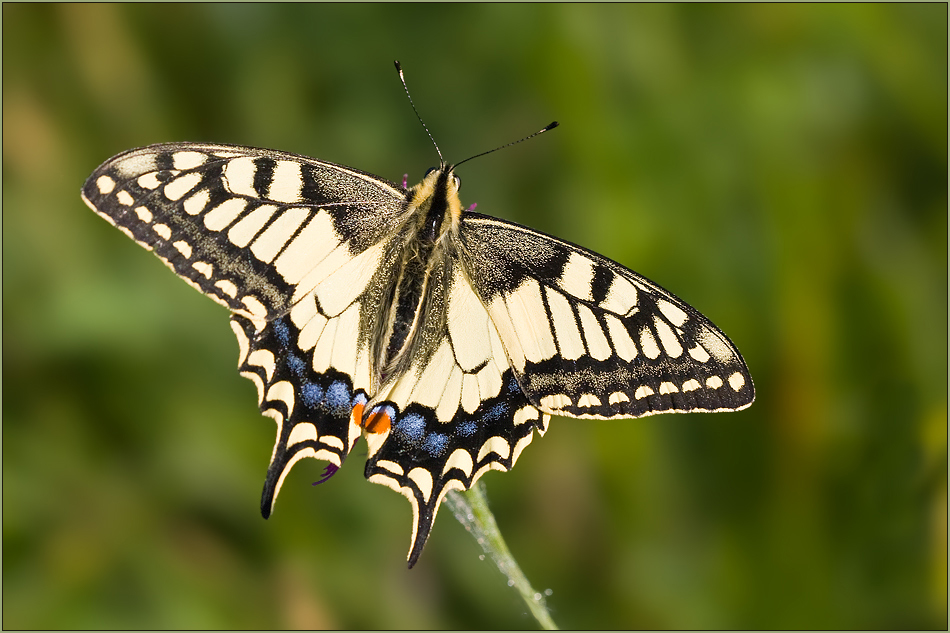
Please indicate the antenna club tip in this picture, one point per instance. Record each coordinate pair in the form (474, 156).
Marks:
(398, 66)
(551, 125)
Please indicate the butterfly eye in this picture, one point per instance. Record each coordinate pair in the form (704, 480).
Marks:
(430, 170)
(458, 182)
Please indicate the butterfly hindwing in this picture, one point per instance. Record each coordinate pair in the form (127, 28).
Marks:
(457, 412)
(423, 457)
(589, 338)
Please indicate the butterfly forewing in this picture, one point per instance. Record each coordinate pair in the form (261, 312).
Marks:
(247, 227)
(590, 338)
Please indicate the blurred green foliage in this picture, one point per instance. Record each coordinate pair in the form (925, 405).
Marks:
(781, 167)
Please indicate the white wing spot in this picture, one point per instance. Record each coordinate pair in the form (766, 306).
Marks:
(125, 198)
(311, 331)
(626, 348)
(699, 353)
(278, 233)
(181, 185)
(342, 287)
(618, 397)
(565, 325)
(149, 181)
(468, 325)
(512, 348)
(196, 204)
(691, 385)
(224, 214)
(597, 344)
(183, 247)
(244, 231)
(642, 392)
(162, 231)
(489, 380)
(714, 382)
(254, 306)
(461, 459)
(496, 445)
(227, 288)
(668, 387)
(525, 414)
(144, 214)
(282, 391)
(311, 245)
(716, 346)
(204, 268)
(302, 432)
(239, 176)
(332, 441)
(577, 277)
(668, 338)
(392, 467)
(555, 402)
(188, 160)
(265, 360)
(676, 316)
(530, 320)
(621, 298)
(423, 480)
(451, 397)
(136, 165)
(736, 381)
(588, 400)
(648, 344)
(105, 184)
(433, 378)
(346, 341)
(470, 397)
(287, 182)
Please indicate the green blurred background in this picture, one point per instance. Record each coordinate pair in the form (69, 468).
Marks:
(781, 167)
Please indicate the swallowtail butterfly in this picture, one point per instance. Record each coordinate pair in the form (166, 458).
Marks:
(444, 337)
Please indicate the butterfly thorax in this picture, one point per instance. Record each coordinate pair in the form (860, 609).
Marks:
(433, 211)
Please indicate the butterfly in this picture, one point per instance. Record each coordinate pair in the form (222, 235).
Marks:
(444, 337)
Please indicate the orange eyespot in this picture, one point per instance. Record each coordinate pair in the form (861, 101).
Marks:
(356, 416)
(378, 421)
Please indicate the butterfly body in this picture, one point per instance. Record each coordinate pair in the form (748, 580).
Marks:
(444, 337)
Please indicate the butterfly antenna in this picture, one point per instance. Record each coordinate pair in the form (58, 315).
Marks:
(550, 126)
(403, 80)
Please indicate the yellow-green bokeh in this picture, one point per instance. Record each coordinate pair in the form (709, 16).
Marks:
(783, 168)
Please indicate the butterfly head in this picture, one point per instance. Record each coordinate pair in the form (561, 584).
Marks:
(435, 202)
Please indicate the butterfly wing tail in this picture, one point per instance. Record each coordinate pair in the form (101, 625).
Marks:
(313, 412)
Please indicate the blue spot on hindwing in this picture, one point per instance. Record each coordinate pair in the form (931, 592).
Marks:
(496, 413)
(338, 398)
(281, 331)
(411, 427)
(297, 365)
(435, 444)
(311, 394)
(467, 428)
